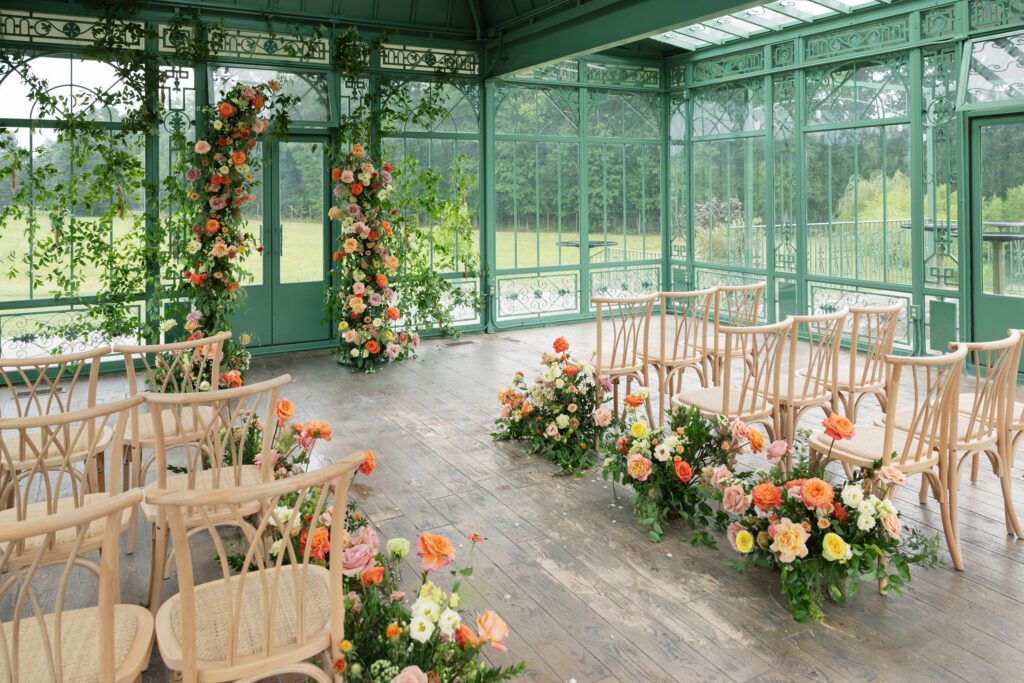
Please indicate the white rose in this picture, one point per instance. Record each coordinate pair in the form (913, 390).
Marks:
(280, 515)
(421, 629)
(559, 383)
(661, 452)
(194, 246)
(354, 353)
(448, 622)
(398, 548)
(275, 548)
(865, 522)
(562, 421)
(852, 496)
(866, 508)
(204, 386)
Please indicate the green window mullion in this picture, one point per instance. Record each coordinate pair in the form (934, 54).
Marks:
(625, 204)
(536, 198)
(885, 202)
(856, 209)
(831, 212)
(558, 200)
(515, 204)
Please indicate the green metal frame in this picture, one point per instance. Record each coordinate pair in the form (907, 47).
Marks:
(921, 32)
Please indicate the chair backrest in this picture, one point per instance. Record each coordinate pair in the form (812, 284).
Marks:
(822, 336)
(737, 305)
(182, 367)
(269, 587)
(630, 331)
(751, 369)
(52, 458)
(933, 382)
(48, 385)
(993, 383)
(872, 333)
(1016, 417)
(29, 647)
(221, 426)
(684, 324)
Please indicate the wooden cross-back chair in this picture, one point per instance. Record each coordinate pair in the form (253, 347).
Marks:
(225, 422)
(624, 356)
(48, 465)
(43, 638)
(50, 385)
(178, 368)
(682, 341)
(922, 445)
(734, 306)
(862, 369)
(987, 414)
(815, 387)
(281, 609)
(750, 376)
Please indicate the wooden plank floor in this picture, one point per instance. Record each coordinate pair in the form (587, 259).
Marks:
(587, 596)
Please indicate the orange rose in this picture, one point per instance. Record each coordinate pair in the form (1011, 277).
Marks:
(212, 226)
(817, 493)
(318, 545)
(357, 188)
(392, 313)
(335, 174)
(570, 370)
(382, 280)
(316, 428)
(437, 552)
(226, 109)
(358, 151)
(258, 102)
(561, 345)
(838, 427)
(238, 158)
(372, 577)
(285, 410)
(369, 464)
(767, 495)
(756, 440)
(372, 346)
(633, 400)
(683, 471)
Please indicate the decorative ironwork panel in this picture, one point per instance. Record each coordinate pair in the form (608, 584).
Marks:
(562, 72)
(784, 120)
(989, 14)
(241, 44)
(23, 334)
(677, 76)
(537, 296)
(632, 75)
(429, 59)
(859, 91)
(891, 33)
(783, 54)
(39, 28)
(680, 278)
(825, 298)
(939, 22)
(466, 315)
(736, 64)
(941, 170)
(996, 71)
(729, 108)
(628, 281)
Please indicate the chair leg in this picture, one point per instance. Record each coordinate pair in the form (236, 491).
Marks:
(922, 495)
(157, 561)
(950, 523)
(974, 468)
(128, 482)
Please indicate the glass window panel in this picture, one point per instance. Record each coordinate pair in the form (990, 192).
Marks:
(1001, 193)
(678, 204)
(858, 203)
(624, 199)
(862, 91)
(312, 105)
(729, 108)
(784, 112)
(996, 70)
(536, 204)
(941, 171)
(459, 101)
(76, 82)
(615, 113)
(729, 197)
(300, 207)
(536, 110)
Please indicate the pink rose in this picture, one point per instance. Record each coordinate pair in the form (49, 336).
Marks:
(602, 417)
(719, 475)
(892, 526)
(735, 500)
(410, 674)
(776, 450)
(358, 288)
(415, 338)
(732, 532)
(259, 126)
(202, 147)
(357, 559)
(346, 176)
(891, 475)
(739, 430)
(355, 602)
(218, 203)
(551, 430)
(605, 382)
(368, 537)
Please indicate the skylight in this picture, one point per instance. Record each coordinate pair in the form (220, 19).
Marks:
(772, 16)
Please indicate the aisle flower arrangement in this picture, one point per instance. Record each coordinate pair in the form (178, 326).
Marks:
(560, 415)
(291, 441)
(824, 538)
(220, 181)
(363, 299)
(674, 470)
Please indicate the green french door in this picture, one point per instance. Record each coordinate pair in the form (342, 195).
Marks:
(284, 295)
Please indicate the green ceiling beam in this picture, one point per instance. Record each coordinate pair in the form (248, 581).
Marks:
(596, 25)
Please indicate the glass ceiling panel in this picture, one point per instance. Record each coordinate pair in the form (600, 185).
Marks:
(772, 16)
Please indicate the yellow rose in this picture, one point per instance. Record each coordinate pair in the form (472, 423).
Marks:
(342, 326)
(639, 429)
(744, 541)
(834, 548)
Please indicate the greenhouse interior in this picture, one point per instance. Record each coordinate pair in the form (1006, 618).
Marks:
(671, 341)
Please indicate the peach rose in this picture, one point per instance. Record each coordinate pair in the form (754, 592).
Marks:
(638, 467)
(838, 427)
(817, 493)
(735, 500)
(492, 630)
(892, 526)
(789, 541)
(285, 410)
(410, 674)
(891, 475)
(436, 551)
(756, 440)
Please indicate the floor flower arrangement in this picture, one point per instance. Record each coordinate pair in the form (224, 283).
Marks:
(824, 538)
(672, 470)
(561, 414)
(364, 300)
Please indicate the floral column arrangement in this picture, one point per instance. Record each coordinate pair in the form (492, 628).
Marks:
(221, 181)
(363, 299)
